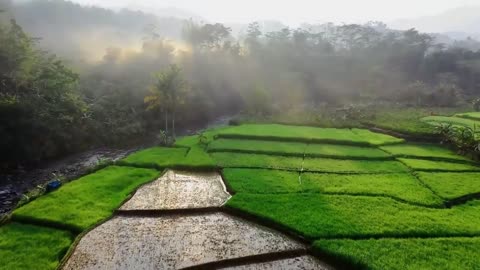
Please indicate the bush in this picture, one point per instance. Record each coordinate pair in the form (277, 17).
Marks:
(466, 139)
(234, 122)
(476, 104)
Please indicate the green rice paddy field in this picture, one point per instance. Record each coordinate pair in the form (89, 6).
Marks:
(363, 200)
(469, 120)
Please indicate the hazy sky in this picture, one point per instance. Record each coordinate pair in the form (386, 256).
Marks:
(296, 11)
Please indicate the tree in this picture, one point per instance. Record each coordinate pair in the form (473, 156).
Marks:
(253, 36)
(446, 95)
(210, 36)
(415, 93)
(169, 91)
(258, 101)
(41, 110)
(476, 104)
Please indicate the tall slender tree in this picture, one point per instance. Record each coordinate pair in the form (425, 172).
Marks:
(167, 93)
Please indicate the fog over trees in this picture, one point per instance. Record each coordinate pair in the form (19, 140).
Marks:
(73, 77)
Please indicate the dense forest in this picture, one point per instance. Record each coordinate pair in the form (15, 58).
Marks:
(162, 74)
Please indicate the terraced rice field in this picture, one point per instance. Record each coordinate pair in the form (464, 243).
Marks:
(470, 115)
(420, 151)
(307, 134)
(457, 120)
(360, 199)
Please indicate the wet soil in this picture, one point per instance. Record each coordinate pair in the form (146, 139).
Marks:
(180, 190)
(303, 262)
(173, 242)
(168, 229)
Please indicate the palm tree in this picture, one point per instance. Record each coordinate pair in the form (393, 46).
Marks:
(168, 91)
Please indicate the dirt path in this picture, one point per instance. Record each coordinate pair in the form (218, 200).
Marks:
(165, 225)
(15, 183)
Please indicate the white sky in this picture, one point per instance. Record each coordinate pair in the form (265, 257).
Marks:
(296, 11)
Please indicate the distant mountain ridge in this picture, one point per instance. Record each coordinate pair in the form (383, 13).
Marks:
(457, 23)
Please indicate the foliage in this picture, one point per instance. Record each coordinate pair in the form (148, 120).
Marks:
(337, 216)
(414, 93)
(24, 246)
(470, 115)
(41, 111)
(351, 112)
(162, 138)
(452, 253)
(403, 120)
(454, 121)
(115, 113)
(258, 101)
(83, 203)
(397, 118)
(321, 116)
(209, 36)
(168, 92)
(202, 140)
(47, 110)
(441, 95)
(323, 62)
(282, 75)
(476, 104)
(466, 139)
(452, 185)
(446, 95)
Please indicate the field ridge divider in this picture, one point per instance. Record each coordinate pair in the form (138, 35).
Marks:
(444, 159)
(413, 173)
(462, 200)
(252, 259)
(293, 139)
(407, 136)
(399, 237)
(308, 171)
(46, 224)
(268, 223)
(304, 155)
(445, 171)
(167, 212)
